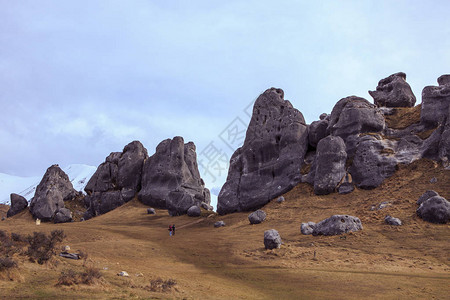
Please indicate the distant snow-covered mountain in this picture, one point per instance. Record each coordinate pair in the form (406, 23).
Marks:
(78, 174)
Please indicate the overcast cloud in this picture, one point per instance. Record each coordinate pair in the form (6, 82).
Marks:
(80, 79)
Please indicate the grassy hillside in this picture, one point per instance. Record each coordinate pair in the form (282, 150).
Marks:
(380, 262)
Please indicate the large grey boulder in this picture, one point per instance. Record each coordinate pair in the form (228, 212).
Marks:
(272, 239)
(337, 224)
(257, 217)
(436, 102)
(194, 211)
(427, 195)
(63, 215)
(18, 204)
(354, 115)
(435, 210)
(370, 165)
(54, 188)
(393, 91)
(330, 164)
(120, 171)
(269, 162)
(171, 179)
(317, 130)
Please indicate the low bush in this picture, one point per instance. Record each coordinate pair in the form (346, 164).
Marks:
(89, 276)
(42, 247)
(160, 285)
(7, 263)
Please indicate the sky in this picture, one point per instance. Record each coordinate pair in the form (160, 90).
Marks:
(80, 79)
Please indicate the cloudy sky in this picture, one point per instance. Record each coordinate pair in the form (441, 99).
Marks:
(80, 79)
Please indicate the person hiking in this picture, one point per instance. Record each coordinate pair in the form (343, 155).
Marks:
(173, 229)
(170, 230)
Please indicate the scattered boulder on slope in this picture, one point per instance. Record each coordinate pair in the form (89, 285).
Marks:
(18, 204)
(171, 178)
(394, 91)
(435, 210)
(436, 102)
(272, 239)
(257, 217)
(330, 164)
(63, 215)
(194, 211)
(219, 224)
(307, 228)
(54, 188)
(392, 221)
(151, 211)
(269, 162)
(337, 224)
(427, 195)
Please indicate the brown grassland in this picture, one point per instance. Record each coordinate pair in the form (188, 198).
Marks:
(380, 262)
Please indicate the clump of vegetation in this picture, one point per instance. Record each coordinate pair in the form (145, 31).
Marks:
(89, 276)
(7, 263)
(160, 285)
(42, 247)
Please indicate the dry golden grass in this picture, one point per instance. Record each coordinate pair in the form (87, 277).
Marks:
(379, 262)
(403, 117)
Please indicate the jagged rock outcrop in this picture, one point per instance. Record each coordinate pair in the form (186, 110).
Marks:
(54, 188)
(329, 164)
(435, 209)
(337, 224)
(117, 180)
(370, 166)
(171, 179)
(436, 102)
(272, 239)
(394, 91)
(18, 204)
(257, 217)
(269, 162)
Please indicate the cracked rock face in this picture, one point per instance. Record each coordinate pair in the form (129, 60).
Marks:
(269, 162)
(171, 178)
(436, 102)
(394, 91)
(54, 188)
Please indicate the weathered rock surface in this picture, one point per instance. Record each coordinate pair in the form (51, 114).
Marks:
(317, 131)
(18, 204)
(54, 188)
(427, 195)
(392, 221)
(269, 162)
(194, 211)
(330, 164)
(337, 224)
(436, 102)
(272, 239)
(345, 188)
(219, 224)
(102, 202)
(171, 178)
(370, 165)
(435, 210)
(394, 91)
(63, 215)
(257, 217)
(307, 228)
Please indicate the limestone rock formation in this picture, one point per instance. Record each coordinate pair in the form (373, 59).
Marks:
(171, 178)
(269, 162)
(436, 102)
(370, 166)
(337, 224)
(307, 228)
(54, 188)
(317, 131)
(330, 164)
(257, 217)
(435, 210)
(18, 204)
(272, 239)
(118, 180)
(394, 91)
